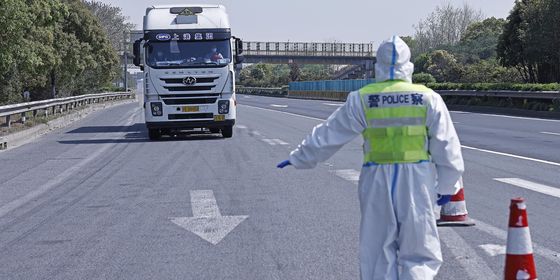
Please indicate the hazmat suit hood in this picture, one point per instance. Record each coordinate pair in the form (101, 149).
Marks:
(393, 61)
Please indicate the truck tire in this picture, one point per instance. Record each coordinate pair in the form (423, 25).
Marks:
(227, 131)
(154, 134)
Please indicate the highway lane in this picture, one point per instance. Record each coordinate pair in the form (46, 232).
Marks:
(97, 201)
(487, 198)
(530, 137)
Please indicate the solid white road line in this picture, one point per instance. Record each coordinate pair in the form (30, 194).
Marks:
(58, 179)
(502, 234)
(493, 249)
(466, 147)
(280, 142)
(520, 118)
(348, 175)
(544, 189)
(334, 104)
(475, 267)
(278, 106)
(551, 133)
(513, 156)
(286, 113)
(269, 142)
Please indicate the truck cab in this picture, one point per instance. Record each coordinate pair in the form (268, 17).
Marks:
(188, 56)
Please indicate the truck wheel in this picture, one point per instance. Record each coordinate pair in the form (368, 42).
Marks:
(154, 134)
(227, 131)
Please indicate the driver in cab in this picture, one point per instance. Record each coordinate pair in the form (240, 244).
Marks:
(214, 55)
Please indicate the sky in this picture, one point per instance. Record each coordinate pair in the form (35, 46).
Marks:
(353, 21)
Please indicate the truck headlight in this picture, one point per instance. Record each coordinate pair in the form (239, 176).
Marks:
(157, 109)
(223, 107)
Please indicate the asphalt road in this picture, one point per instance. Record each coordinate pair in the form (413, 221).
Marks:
(97, 200)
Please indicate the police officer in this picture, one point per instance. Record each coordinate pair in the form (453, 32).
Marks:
(407, 131)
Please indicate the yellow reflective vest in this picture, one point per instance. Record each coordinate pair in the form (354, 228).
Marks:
(396, 122)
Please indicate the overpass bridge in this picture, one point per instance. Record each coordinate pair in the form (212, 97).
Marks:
(308, 53)
(359, 55)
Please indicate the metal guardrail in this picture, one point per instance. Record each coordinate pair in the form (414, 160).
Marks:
(549, 95)
(274, 92)
(553, 96)
(52, 106)
(308, 49)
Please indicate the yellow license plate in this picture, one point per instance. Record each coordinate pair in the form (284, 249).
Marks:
(190, 109)
(219, 118)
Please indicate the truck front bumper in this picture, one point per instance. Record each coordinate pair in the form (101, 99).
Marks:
(189, 124)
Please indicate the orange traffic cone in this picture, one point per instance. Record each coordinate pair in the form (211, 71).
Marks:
(519, 253)
(454, 213)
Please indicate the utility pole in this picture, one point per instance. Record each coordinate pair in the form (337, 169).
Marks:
(125, 60)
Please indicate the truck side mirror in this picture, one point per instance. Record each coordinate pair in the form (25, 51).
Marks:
(238, 46)
(137, 53)
(239, 59)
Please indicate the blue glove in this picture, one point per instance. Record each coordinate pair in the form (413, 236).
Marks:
(443, 199)
(284, 164)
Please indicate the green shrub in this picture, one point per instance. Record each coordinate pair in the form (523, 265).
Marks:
(423, 78)
(494, 86)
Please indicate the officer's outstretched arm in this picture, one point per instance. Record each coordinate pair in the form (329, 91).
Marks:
(444, 146)
(327, 138)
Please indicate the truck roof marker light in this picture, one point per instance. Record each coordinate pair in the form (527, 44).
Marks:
(186, 11)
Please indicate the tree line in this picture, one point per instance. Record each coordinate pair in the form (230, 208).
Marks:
(55, 48)
(457, 44)
(520, 49)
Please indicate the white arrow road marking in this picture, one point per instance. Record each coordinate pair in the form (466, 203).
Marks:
(544, 189)
(493, 249)
(279, 106)
(472, 263)
(207, 221)
(551, 133)
(348, 175)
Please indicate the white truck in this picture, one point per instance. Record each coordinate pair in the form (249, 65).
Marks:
(188, 57)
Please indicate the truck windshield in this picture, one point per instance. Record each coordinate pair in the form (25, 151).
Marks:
(174, 54)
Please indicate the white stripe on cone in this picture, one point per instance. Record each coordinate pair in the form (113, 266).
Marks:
(519, 241)
(454, 208)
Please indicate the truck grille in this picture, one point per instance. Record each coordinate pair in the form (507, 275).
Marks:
(180, 81)
(169, 101)
(177, 93)
(189, 88)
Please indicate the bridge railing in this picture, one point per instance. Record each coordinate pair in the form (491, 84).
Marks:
(308, 49)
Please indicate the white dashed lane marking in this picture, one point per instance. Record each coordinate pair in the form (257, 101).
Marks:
(551, 133)
(278, 106)
(465, 255)
(493, 249)
(334, 104)
(544, 189)
(274, 142)
(348, 175)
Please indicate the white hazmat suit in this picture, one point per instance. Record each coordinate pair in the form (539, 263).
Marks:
(398, 234)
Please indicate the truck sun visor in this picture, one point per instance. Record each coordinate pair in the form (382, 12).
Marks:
(189, 11)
